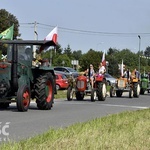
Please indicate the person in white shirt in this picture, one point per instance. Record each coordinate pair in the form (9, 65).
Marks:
(102, 69)
(127, 74)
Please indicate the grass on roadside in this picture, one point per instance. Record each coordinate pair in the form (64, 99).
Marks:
(128, 130)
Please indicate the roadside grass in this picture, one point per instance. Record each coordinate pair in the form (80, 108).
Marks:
(128, 130)
(61, 94)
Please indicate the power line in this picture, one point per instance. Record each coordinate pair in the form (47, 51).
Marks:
(63, 29)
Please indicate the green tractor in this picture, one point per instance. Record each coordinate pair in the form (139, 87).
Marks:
(20, 81)
(145, 83)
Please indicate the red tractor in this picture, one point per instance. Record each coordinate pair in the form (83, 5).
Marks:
(81, 86)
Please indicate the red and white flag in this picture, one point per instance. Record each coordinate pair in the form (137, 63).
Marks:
(103, 60)
(52, 35)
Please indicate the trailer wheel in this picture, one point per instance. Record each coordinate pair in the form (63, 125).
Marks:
(23, 98)
(44, 91)
(69, 93)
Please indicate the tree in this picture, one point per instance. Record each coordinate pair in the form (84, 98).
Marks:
(7, 20)
(147, 52)
(91, 57)
(77, 54)
(68, 51)
(112, 51)
(59, 49)
(62, 60)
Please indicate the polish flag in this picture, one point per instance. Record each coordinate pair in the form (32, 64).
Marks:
(121, 68)
(103, 60)
(52, 36)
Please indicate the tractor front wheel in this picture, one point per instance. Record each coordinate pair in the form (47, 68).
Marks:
(69, 93)
(79, 96)
(101, 91)
(44, 91)
(23, 98)
(136, 90)
(93, 95)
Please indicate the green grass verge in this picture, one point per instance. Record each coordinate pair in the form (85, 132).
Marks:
(124, 131)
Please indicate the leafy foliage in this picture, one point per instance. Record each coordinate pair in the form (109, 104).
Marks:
(7, 20)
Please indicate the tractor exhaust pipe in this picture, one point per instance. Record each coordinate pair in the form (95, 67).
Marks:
(14, 77)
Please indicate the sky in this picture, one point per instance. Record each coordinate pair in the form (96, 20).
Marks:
(85, 24)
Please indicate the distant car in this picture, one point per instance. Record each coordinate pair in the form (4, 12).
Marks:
(69, 70)
(61, 81)
(110, 79)
(61, 72)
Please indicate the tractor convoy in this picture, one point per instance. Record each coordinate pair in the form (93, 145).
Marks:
(20, 80)
(24, 77)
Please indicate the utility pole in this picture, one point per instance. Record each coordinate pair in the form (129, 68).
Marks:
(35, 31)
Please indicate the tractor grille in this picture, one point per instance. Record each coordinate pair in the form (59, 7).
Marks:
(121, 83)
(144, 84)
(80, 84)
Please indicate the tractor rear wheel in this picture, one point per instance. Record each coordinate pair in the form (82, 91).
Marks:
(101, 91)
(23, 98)
(44, 91)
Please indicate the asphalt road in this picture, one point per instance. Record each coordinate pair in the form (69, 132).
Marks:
(21, 125)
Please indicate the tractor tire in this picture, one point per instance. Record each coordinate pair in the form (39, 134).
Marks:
(136, 90)
(111, 92)
(142, 91)
(44, 91)
(4, 105)
(69, 94)
(23, 98)
(101, 91)
(93, 95)
(118, 93)
(130, 93)
(79, 96)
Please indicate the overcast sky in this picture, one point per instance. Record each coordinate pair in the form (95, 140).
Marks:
(85, 24)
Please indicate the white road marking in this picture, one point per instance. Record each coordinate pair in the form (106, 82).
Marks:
(109, 105)
(139, 107)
